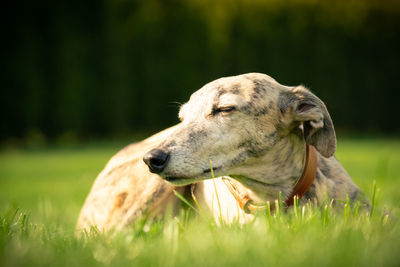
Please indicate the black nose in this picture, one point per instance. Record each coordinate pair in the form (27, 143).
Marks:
(156, 159)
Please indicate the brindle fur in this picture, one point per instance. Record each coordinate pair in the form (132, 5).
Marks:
(260, 143)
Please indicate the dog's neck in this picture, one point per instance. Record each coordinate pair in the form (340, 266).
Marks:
(283, 163)
(302, 185)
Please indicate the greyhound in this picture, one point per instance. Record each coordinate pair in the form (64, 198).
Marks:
(252, 133)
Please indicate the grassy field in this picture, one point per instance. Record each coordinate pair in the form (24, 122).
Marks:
(41, 192)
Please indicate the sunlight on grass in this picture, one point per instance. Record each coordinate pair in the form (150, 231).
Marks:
(311, 235)
(41, 193)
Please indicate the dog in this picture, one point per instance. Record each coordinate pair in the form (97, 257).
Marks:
(254, 136)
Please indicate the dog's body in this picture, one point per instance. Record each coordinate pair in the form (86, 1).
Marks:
(250, 128)
(125, 189)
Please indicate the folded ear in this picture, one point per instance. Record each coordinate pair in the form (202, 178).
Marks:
(301, 107)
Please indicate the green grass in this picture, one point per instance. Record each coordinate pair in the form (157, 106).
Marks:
(41, 192)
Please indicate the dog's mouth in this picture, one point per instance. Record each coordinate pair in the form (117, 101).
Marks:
(214, 169)
(180, 181)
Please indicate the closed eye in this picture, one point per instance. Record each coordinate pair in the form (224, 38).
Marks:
(223, 110)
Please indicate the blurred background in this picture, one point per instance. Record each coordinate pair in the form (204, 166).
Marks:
(80, 70)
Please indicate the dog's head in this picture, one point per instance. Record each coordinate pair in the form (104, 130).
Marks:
(240, 124)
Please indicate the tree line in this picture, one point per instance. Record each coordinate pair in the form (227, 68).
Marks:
(102, 68)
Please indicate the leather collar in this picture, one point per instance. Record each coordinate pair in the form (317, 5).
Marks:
(302, 185)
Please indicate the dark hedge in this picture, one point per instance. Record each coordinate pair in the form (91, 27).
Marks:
(102, 68)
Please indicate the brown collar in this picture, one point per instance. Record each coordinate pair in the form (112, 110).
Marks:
(303, 184)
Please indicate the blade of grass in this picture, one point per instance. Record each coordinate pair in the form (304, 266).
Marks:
(296, 206)
(185, 201)
(197, 202)
(373, 200)
(277, 209)
(216, 192)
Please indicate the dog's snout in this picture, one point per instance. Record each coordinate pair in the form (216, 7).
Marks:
(156, 159)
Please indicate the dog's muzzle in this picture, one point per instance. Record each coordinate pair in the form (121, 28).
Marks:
(156, 159)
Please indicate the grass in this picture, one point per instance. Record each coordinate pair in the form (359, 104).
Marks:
(41, 192)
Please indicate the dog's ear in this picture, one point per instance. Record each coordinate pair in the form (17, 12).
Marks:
(301, 107)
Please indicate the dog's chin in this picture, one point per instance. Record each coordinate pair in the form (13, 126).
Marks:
(182, 181)
(179, 181)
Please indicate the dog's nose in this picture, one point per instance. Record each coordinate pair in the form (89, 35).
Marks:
(156, 159)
